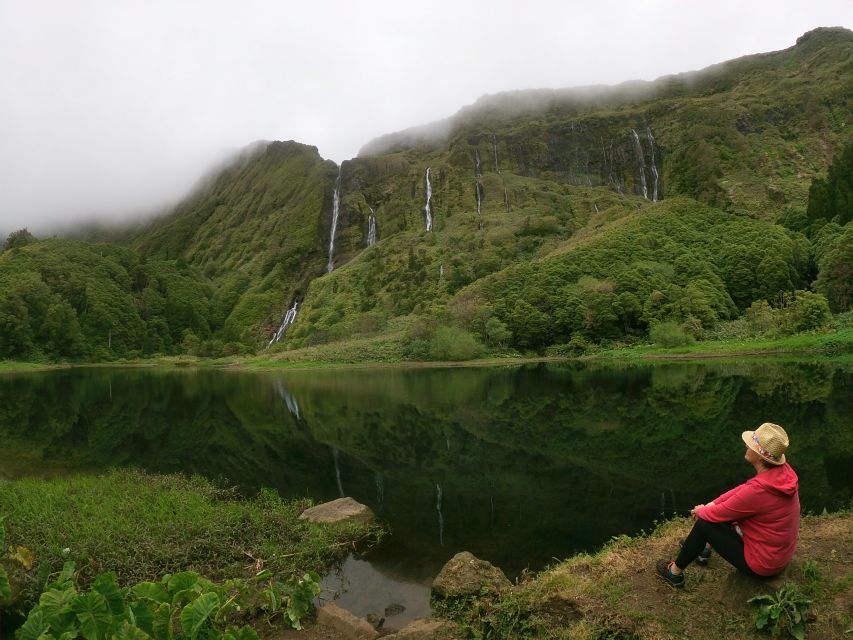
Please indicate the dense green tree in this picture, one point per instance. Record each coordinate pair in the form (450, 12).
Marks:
(835, 278)
(18, 239)
(831, 198)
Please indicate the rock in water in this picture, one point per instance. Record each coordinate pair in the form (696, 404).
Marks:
(466, 575)
(340, 510)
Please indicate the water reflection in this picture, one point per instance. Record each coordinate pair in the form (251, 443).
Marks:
(517, 464)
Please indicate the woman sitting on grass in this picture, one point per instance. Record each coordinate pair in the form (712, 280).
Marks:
(754, 526)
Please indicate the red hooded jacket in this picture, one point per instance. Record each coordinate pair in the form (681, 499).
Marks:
(767, 509)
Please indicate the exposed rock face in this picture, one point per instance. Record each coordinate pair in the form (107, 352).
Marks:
(466, 575)
(348, 624)
(340, 510)
(420, 629)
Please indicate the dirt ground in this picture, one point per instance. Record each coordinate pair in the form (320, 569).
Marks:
(623, 595)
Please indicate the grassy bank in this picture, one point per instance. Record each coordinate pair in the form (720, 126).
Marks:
(389, 350)
(615, 593)
(143, 526)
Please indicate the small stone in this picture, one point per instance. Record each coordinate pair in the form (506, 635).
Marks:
(466, 575)
(375, 620)
(340, 510)
(348, 624)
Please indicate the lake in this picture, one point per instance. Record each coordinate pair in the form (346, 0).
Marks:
(521, 465)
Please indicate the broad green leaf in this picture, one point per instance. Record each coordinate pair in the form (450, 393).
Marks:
(244, 633)
(186, 596)
(162, 625)
(106, 585)
(5, 588)
(196, 614)
(127, 631)
(182, 581)
(93, 614)
(34, 626)
(56, 601)
(55, 605)
(66, 576)
(151, 591)
(798, 630)
(142, 617)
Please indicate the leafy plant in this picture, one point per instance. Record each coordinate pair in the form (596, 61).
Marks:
(783, 611)
(183, 606)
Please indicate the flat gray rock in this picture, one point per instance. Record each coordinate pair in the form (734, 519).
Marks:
(466, 575)
(340, 510)
(344, 622)
(420, 629)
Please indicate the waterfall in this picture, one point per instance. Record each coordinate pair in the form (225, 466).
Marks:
(440, 271)
(440, 515)
(477, 171)
(289, 400)
(478, 191)
(506, 199)
(371, 228)
(495, 149)
(595, 206)
(336, 455)
(654, 166)
(336, 209)
(289, 319)
(427, 209)
(380, 489)
(642, 164)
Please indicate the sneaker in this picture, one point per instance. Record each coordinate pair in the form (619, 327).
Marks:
(663, 570)
(702, 558)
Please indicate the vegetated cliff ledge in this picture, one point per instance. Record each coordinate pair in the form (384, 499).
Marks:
(615, 593)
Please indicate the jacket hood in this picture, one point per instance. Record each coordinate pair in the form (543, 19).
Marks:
(782, 480)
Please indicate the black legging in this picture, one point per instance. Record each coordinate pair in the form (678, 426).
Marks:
(722, 537)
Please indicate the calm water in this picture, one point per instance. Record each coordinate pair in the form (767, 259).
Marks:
(519, 465)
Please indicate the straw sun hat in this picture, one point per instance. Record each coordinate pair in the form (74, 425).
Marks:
(769, 441)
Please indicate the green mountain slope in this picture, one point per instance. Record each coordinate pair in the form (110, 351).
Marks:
(257, 231)
(557, 215)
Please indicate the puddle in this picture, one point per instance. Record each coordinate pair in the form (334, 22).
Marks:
(370, 587)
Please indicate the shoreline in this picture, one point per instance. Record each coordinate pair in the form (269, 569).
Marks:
(832, 347)
(615, 592)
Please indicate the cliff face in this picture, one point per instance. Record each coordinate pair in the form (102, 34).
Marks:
(258, 230)
(510, 178)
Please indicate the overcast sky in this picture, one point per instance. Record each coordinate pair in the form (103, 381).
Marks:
(110, 108)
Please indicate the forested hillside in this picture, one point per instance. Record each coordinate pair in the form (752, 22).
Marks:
(710, 203)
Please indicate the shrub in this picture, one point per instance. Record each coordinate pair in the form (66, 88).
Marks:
(783, 611)
(669, 334)
(805, 311)
(454, 344)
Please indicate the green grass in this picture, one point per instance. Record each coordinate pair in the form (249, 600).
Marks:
(13, 366)
(143, 526)
(835, 344)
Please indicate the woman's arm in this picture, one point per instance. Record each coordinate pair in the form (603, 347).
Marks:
(740, 503)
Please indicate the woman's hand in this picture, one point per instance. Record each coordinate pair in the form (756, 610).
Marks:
(699, 506)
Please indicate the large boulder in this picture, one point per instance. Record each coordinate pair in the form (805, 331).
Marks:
(340, 510)
(466, 575)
